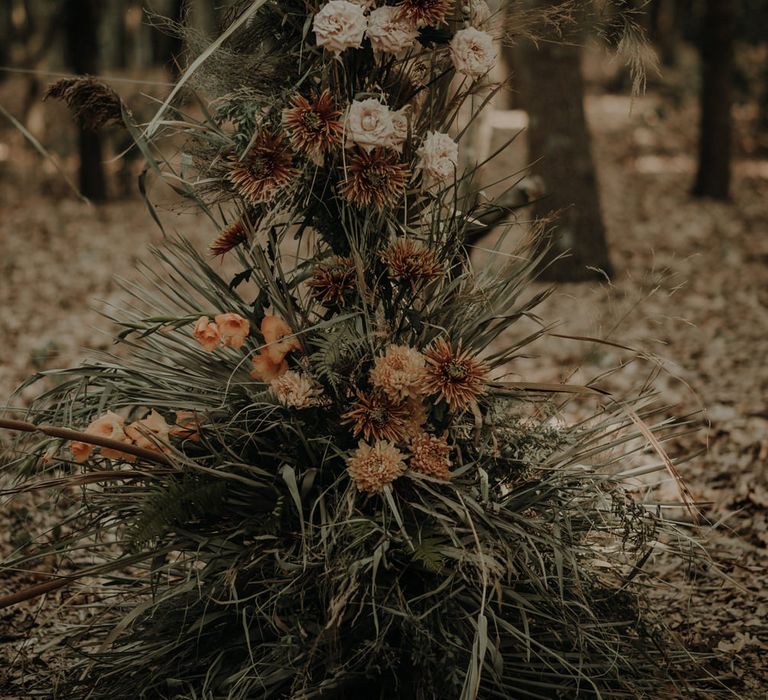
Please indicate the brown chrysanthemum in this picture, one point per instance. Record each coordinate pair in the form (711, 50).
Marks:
(372, 468)
(425, 12)
(429, 455)
(313, 127)
(332, 280)
(266, 169)
(378, 417)
(410, 261)
(458, 377)
(374, 178)
(230, 237)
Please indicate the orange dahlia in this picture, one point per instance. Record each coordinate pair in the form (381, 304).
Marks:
(429, 455)
(332, 280)
(373, 467)
(400, 373)
(456, 376)
(314, 127)
(374, 178)
(230, 237)
(410, 261)
(265, 170)
(378, 417)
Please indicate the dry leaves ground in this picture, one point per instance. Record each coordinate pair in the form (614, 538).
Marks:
(691, 285)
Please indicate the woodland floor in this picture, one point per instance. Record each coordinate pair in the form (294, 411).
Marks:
(691, 285)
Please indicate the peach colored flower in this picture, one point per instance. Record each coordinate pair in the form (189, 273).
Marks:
(233, 329)
(207, 334)
(390, 32)
(296, 390)
(369, 124)
(81, 451)
(110, 426)
(439, 155)
(275, 330)
(373, 467)
(149, 432)
(473, 52)
(264, 370)
(429, 455)
(340, 25)
(187, 426)
(401, 373)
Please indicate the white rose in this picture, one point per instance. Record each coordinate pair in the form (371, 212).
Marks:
(340, 25)
(400, 129)
(369, 124)
(365, 4)
(473, 52)
(390, 32)
(439, 155)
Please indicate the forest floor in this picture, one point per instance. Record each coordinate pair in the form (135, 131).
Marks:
(691, 285)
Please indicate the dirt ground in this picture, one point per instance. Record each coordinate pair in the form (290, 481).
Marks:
(691, 285)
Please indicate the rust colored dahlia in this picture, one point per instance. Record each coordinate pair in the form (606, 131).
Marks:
(425, 12)
(373, 467)
(378, 417)
(332, 280)
(408, 260)
(374, 178)
(265, 170)
(315, 127)
(230, 237)
(429, 455)
(457, 376)
(400, 373)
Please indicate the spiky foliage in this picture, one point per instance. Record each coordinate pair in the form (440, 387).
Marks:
(262, 550)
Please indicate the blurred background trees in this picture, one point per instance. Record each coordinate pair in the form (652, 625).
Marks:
(714, 51)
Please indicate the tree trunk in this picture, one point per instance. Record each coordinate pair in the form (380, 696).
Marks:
(81, 27)
(716, 47)
(559, 145)
(6, 35)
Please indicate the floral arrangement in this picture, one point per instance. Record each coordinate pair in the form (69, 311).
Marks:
(314, 479)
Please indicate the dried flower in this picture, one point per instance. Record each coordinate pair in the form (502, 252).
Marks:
(265, 170)
(340, 25)
(112, 427)
(425, 12)
(332, 280)
(230, 237)
(368, 124)
(207, 334)
(264, 370)
(93, 103)
(410, 261)
(375, 178)
(479, 14)
(315, 127)
(296, 390)
(233, 329)
(372, 468)
(149, 432)
(417, 416)
(391, 32)
(473, 52)
(187, 426)
(457, 377)
(439, 155)
(401, 373)
(429, 455)
(378, 417)
(275, 330)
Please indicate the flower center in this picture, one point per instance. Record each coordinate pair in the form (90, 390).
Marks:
(311, 121)
(456, 371)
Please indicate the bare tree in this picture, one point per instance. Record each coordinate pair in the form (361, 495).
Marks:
(713, 178)
(81, 29)
(559, 144)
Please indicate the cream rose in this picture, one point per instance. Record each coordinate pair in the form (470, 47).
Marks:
(369, 124)
(473, 52)
(233, 329)
(439, 155)
(390, 32)
(400, 129)
(340, 25)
